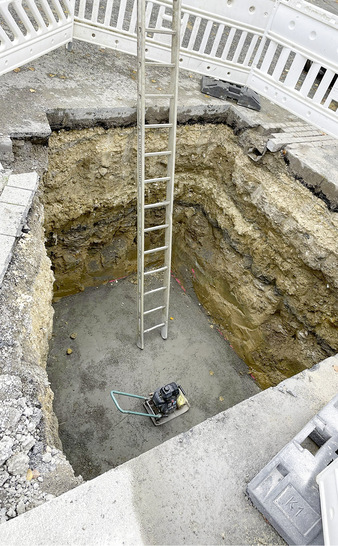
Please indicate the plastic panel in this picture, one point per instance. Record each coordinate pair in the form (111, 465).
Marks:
(29, 30)
(285, 490)
(328, 487)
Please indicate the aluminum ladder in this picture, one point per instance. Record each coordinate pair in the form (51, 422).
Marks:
(143, 101)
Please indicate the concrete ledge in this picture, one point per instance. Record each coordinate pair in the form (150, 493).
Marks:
(191, 489)
(16, 197)
(6, 152)
(6, 250)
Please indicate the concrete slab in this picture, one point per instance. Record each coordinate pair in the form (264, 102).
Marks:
(191, 489)
(11, 219)
(94, 434)
(6, 249)
(27, 181)
(98, 85)
(16, 196)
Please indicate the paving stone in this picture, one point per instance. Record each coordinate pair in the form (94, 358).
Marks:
(28, 181)
(6, 248)
(17, 196)
(11, 219)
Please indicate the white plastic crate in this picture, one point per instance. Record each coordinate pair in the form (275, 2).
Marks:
(328, 488)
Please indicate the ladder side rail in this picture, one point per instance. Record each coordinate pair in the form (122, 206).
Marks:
(140, 167)
(175, 58)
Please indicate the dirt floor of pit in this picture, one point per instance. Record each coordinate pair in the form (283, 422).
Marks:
(97, 437)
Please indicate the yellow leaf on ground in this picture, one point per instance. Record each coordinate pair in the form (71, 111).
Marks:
(31, 68)
(211, 372)
(33, 90)
(16, 69)
(221, 398)
(29, 475)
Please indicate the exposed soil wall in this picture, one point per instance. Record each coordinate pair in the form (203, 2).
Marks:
(257, 247)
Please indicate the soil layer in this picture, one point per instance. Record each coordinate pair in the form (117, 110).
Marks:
(257, 247)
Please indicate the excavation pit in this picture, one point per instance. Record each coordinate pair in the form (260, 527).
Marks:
(242, 236)
(251, 241)
(257, 247)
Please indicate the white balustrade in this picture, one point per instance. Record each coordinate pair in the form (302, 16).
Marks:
(29, 29)
(286, 50)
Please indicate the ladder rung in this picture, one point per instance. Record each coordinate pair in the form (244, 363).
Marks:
(153, 154)
(158, 126)
(153, 250)
(159, 270)
(159, 95)
(155, 205)
(154, 327)
(161, 31)
(154, 309)
(163, 179)
(155, 290)
(160, 65)
(155, 228)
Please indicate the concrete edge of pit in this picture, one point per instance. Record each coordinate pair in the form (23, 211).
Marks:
(192, 488)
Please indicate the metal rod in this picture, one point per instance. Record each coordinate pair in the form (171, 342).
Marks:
(163, 179)
(153, 271)
(154, 327)
(159, 65)
(154, 290)
(155, 228)
(156, 205)
(158, 126)
(153, 250)
(154, 154)
(153, 310)
(160, 31)
(158, 95)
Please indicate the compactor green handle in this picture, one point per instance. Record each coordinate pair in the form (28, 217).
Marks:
(112, 394)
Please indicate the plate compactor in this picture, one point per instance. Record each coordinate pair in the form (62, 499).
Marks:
(161, 406)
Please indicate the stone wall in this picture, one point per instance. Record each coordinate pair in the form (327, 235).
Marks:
(256, 246)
